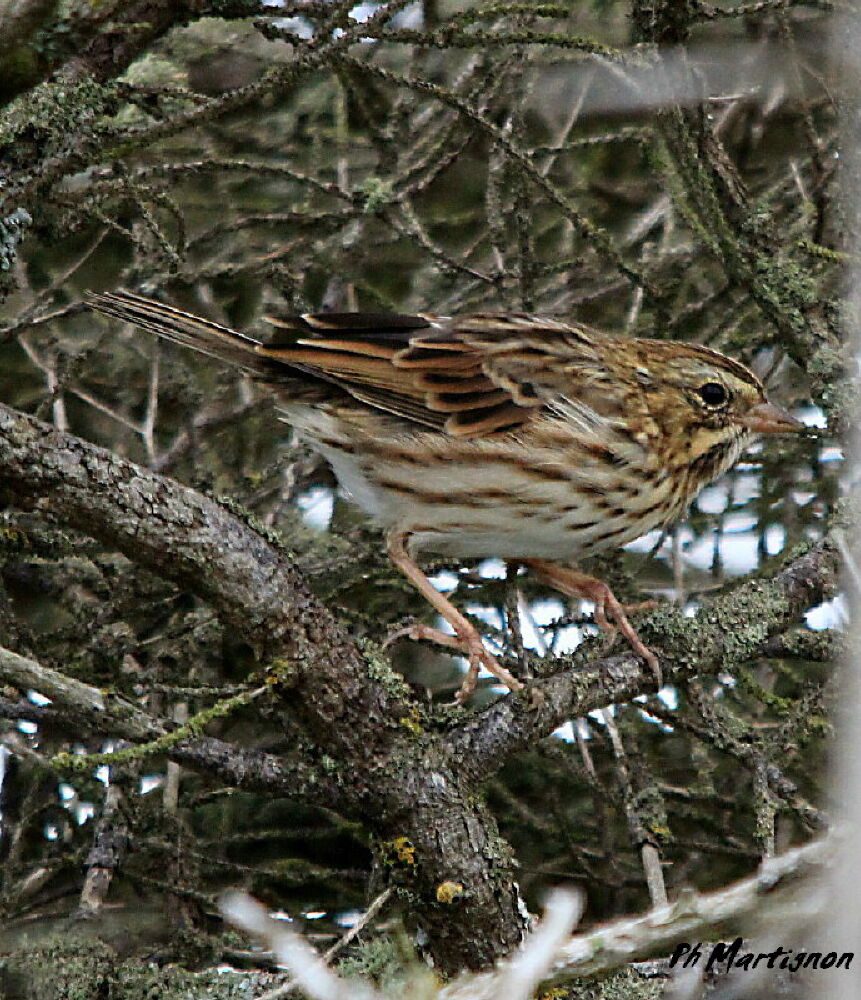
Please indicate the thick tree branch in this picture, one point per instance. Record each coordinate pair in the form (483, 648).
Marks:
(135, 26)
(101, 44)
(406, 787)
(196, 542)
(728, 630)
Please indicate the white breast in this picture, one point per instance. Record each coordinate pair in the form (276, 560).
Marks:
(471, 499)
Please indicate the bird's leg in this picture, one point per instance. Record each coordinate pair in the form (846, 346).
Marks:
(572, 583)
(466, 639)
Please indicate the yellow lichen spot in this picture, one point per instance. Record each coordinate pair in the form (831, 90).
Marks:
(412, 722)
(14, 536)
(448, 892)
(279, 671)
(557, 993)
(404, 850)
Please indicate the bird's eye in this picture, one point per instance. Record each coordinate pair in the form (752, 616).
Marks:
(712, 394)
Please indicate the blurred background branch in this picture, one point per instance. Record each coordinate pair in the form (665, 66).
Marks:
(663, 169)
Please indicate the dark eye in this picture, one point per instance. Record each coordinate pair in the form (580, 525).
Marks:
(712, 394)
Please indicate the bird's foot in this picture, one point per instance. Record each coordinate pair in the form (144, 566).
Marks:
(575, 584)
(467, 643)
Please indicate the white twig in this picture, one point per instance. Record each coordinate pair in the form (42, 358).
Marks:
(366, 918)
(311, 973)
(514, 979)
(535, 960)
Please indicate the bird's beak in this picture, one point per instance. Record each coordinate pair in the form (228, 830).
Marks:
(766, 418)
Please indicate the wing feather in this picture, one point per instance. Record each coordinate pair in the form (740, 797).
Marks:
(485, 373)
(471, 376)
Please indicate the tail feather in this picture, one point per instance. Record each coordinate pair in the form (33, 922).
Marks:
(183, 328)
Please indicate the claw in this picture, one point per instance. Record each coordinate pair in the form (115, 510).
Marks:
(575, 584)
(466, 639)
(470, 645)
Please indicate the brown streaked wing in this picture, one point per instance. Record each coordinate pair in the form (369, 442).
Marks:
(521, 364)
(385, 329)
(471, 375)
(355, 351)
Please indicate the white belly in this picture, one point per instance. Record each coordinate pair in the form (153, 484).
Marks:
(467, 499)
(525, 519)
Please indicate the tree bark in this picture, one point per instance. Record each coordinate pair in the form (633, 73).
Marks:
(414, 790)
(429, 826)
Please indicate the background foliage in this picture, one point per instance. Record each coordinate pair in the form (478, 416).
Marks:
(450, 157)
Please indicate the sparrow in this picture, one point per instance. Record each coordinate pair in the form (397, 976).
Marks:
(512, 436)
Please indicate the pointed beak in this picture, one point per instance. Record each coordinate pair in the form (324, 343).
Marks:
(766, 418)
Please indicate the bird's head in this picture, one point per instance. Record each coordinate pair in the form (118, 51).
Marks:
(709, 405)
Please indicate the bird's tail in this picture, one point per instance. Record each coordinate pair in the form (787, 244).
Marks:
(184, 328)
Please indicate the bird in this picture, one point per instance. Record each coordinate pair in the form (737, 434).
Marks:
(521, 437)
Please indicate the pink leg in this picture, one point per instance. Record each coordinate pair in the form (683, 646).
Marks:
(466, 638)
(575, 584)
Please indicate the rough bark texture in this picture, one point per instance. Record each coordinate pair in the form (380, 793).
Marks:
(414, 790)
(430, 826)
